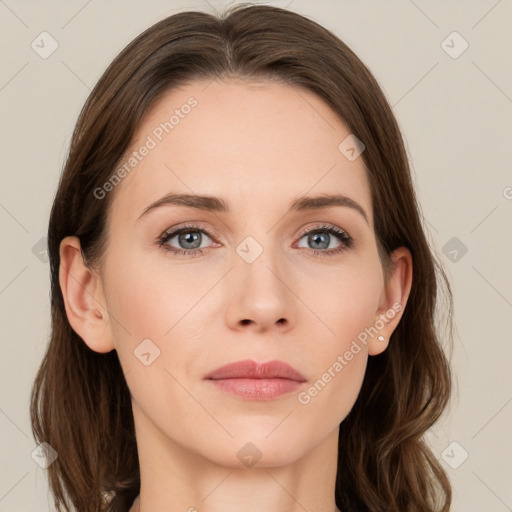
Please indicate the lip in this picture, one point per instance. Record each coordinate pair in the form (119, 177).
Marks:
(256, 381)
(249, 369)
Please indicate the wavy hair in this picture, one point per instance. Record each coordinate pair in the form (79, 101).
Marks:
(384, 461)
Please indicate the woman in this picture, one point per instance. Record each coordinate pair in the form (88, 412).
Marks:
(235, 322)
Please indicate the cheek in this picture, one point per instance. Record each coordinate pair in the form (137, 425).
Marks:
(347, 304)
(152, 301)
(348, 308)
(150, 298)
(340, 368)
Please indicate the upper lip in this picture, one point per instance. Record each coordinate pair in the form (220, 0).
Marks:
(248, 369)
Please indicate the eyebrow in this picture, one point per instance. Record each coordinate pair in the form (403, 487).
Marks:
(219, 205)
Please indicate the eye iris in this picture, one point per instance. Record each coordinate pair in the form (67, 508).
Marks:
(189, 237)
(316, 237)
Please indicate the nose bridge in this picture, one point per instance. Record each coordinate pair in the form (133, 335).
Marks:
(259, 260)
(255, 228)
(259, 278)
(260, 252)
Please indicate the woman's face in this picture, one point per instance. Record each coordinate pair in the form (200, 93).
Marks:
(260, 289)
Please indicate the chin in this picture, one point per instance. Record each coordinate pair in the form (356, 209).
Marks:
(258, 450)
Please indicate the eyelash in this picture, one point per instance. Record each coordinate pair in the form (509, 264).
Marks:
(342, 236)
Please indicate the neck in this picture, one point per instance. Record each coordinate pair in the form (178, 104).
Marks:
(176, 479)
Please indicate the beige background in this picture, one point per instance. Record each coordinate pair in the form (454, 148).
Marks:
(455, 114)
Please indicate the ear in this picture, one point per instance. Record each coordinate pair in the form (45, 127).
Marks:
(393, 300)
(84, 300)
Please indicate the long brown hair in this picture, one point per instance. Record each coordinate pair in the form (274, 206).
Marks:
(384, 462)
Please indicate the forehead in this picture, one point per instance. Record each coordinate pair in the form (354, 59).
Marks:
(256, 144)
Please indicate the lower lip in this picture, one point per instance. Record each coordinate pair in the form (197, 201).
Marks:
(257, 389)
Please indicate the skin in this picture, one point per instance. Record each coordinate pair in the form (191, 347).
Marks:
(257, 145)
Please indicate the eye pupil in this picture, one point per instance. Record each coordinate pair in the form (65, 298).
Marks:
(316, 236)
(189, 237)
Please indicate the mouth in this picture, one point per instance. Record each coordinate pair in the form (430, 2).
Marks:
(256, 381)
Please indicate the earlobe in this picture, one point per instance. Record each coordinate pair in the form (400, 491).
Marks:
(82, 290)
(393, 300)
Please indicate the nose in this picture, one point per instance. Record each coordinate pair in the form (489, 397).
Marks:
(261, 296)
